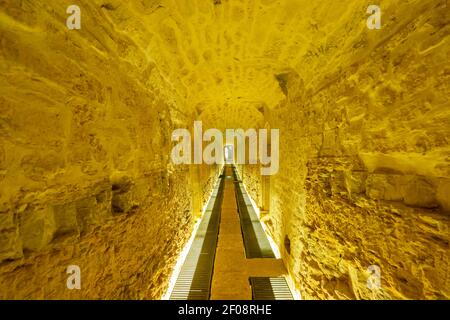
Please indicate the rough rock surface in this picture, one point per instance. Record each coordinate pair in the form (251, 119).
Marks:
(86, 118)
(364, 161)
(85, 176)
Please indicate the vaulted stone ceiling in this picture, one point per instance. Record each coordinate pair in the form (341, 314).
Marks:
(234, 55)
(86, 118)
(221, 53)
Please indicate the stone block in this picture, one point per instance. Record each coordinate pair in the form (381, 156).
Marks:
(10, 244)
(355, 182)
(420, 192)
(384, 186)
(93, 211)
(66, 218)
(443, 194)
(337, 183)
(37, 227)
(7, 220)
(128, 194)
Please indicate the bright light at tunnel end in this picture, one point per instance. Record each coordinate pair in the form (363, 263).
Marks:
(261, 147)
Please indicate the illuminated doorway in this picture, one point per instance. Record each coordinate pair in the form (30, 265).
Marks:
(229, 154)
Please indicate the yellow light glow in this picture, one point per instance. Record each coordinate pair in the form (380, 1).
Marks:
(182, 256)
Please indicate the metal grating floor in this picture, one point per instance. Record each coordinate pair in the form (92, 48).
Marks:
(255, 239)
(270, 288)
(194, 280)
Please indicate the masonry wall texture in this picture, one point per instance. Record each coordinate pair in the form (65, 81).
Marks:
(85, 176)
(364, 171)
(86, 118)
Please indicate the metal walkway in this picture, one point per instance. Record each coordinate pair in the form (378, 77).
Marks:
(255, 239)
(194, 280)
(222, 262)
(270, 288)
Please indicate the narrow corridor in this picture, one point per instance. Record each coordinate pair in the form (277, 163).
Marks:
(233, 271)
(332, 118)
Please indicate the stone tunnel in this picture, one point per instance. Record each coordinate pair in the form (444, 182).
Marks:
(87, 117)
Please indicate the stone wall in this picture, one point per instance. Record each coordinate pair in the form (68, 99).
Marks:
(364, 160)
(86, 117)
(85, 177)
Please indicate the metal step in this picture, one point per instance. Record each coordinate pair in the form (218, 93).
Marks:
(194, 280)
(256, 242)
(270, 288)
